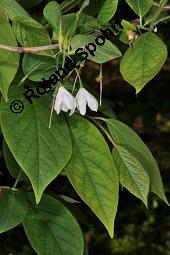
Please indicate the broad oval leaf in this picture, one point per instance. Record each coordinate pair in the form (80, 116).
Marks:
(102, 54)
(52, 230)
(36, 67)
(144, 60)
(9, 61)
(107, 11)
(67, 29)
(42, 152)
(126, 137)
(131, 173)
(29, 32)
(94, 7)
(52, 13)
(92, 172)
(64, 26)
(12, 9)
(13, 208)
(87, 24)
(140, 7)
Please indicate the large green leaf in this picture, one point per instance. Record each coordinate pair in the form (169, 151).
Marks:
(102, 54)
(106, 53)
(11, 9)
(36, 67)
(92, 172)
(9, 61)
(87, 24)
(13, 208)
(131, 173)
(144, 60)
(94, 7)
(140, 7)
(52, 13)
(29, 32)
(67, 29)
(13, 167)
(42, 152)
(126, 137)
(52, 230)
(64, 26)
(107, 11)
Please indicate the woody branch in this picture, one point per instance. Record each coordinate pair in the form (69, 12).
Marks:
(43, 48)
(28, 49)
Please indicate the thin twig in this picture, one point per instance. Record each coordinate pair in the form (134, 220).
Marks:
(53, 46)
(29, 49)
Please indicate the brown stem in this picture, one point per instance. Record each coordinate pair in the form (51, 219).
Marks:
(48, 47)
(29, 49)
(167, 8)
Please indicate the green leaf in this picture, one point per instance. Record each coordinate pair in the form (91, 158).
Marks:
(107, 11)
(69, 24)
(37, 67)
(52, 230)
(42, 152)
(12, 9)
(87, 24)
(9, 61)
(52, 13)
(142, 62)
(140, 7)
(92, 172)
(126, 137)
(64, 26)
(123, 37)
(106, 53)
(128, 25)
(102, 54)
(131, 173)
(13, 167)
(13, 208)
(29, 32)
(94, 7)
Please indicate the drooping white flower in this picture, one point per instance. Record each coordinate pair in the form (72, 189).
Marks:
(84, 98)
(64, 101)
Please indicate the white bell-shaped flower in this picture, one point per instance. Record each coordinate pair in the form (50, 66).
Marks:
(84, 98)
(64, 101)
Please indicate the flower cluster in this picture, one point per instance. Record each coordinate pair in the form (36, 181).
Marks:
(65, 101)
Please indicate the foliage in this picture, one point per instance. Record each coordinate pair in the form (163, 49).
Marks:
(95, 152)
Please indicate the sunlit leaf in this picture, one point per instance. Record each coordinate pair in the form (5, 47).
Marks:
(131, 173)
(144, 60)
(42, 152)
(92, 172)
(126, 137)
(52, 230)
